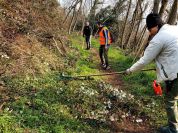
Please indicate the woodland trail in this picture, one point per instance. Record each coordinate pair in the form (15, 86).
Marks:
(127, 124)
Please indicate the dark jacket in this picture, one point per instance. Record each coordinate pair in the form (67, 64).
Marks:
(87, 31)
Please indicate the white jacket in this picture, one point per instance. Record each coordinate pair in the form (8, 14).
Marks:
(164, 49)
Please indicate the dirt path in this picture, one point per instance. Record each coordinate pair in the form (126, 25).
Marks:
(127, 125)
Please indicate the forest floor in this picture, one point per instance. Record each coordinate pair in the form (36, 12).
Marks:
(47, 102)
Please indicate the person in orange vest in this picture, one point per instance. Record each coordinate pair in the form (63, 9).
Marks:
(105, 41)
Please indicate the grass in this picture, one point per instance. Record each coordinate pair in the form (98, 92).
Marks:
(46, 105)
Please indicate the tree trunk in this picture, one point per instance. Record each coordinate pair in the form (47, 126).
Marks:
(140, 43)
(83, 19)
(140, 19)
(125, 24)
(70, 9)
(67, 15)
(71, 22)
(141, 37)
(173, 15)
(132, 25)
(94, 6)
(77, 15)
(163, 7)
(138, 26)
(156, 6)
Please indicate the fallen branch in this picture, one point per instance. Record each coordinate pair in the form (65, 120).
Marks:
(60, 40)
(57, 46)
(2, 106)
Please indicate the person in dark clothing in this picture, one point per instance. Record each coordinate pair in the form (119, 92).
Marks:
(87, 32)
(105, 41)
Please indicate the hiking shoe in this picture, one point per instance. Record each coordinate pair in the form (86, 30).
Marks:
(107, 68)
(167, 130)
(102, 65)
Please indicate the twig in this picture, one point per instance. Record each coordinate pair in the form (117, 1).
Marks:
(2, 105)
(57, 46)
(60, 40)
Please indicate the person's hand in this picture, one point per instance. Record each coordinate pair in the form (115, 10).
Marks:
(106, 47)
(127, 72)
(96, 36)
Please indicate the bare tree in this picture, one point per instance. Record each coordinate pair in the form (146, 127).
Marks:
(70, 9)
(173, 14)
(156, 6)
(94, 7)
(84, 16)
(140, 43)
(140, 19)
(125, 24)
(133, 23)
(163, 7)
(72, 19)
(77, 14)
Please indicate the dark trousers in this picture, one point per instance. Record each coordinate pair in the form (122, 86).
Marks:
(171, 98)
(103, 53)
(88, 42)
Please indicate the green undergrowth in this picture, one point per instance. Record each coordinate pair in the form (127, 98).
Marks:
(85, 62)
(45, 104)
(49, 103)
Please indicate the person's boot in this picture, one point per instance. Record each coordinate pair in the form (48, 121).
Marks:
(102, 64)
(107, 67)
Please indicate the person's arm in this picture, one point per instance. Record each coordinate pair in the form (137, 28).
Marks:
(105, 32)
(151, 52)
(90, 30)
(83, 31)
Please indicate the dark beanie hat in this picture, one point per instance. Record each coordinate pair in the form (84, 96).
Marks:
(152, 20)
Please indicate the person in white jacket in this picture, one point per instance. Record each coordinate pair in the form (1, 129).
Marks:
(163, 49)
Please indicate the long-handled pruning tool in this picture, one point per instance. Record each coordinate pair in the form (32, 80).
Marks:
(88, 77)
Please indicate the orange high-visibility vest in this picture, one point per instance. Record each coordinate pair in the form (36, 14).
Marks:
(102, 38)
